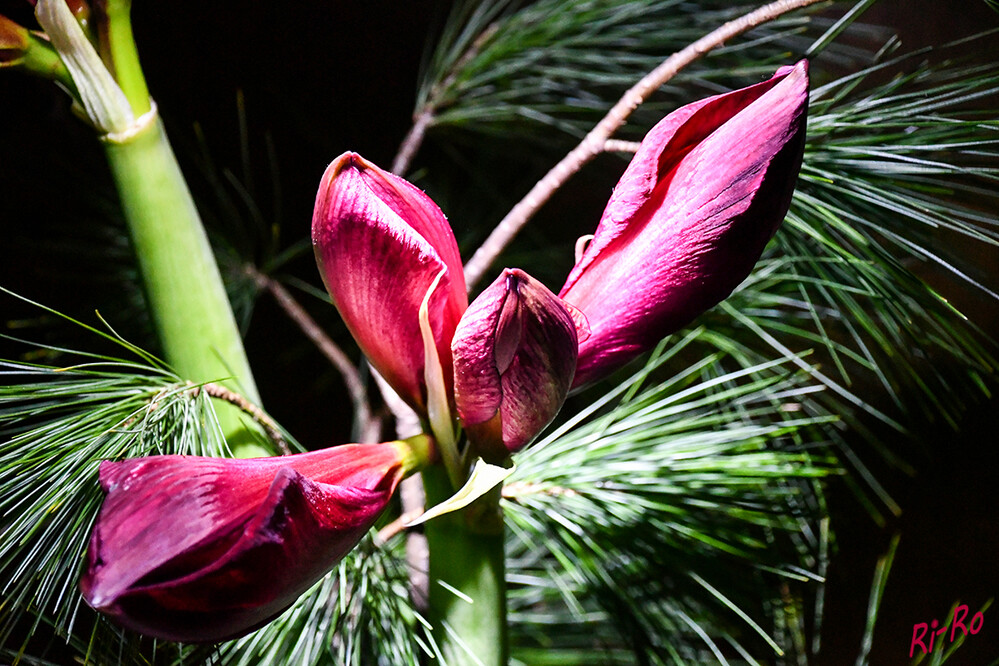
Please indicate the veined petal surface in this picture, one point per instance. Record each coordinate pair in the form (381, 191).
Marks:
(197, 549)
(514, 358)
(689, 218)
(380, 243)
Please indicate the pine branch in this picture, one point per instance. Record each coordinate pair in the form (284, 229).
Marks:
(706, 477)
(594, 141)
(270, 427)
(508, 68)
(892, 174)
(357, 615)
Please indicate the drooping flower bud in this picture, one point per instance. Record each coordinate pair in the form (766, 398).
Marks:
(381, 243)
(514, 358)
(14, 42)
(689, 218)
(197, 549)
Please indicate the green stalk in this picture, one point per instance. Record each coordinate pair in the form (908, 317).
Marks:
(467, 593)
(185, 292)
(184, 289)
(42, 60)
(120, 44)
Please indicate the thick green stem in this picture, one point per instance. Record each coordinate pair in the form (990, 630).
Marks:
(184, 290)
(186, 296)
(467, 593)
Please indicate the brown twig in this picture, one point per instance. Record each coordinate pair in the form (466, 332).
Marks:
(414, 498)
(351, 377)
(270, 427)
(413, 140)
(397, 526)
(595, 142)
(425, 118)
(621, 146)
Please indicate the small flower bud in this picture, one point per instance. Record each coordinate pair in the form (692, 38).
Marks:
(514, 358)
(14, 42)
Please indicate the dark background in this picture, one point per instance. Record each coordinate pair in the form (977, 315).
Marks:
(318, 78)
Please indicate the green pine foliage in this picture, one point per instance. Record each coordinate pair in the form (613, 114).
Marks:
(667, 509)
(518, 70)
(360, 614)
(896, 177)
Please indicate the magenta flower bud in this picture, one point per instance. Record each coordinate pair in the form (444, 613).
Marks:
(198, 549)
(380, 243)
(514, 358)
(689, 218)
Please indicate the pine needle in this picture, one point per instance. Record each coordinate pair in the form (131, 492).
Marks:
(701, 477)
(521, 69)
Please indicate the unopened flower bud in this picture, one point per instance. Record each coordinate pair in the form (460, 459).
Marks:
(14, 42)
(514, 357)
(380, 244)
(689, 218)
(196, 549)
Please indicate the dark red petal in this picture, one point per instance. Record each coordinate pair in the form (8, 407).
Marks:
(515, 354)
(199, 549)
(296, 535)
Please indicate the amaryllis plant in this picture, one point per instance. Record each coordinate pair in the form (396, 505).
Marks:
(686, 223)
(196, 549)
(391, 265)
(582, 434)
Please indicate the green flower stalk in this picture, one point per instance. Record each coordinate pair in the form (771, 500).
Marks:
(114, 26)
(467, 594)
(184, 288)
(186, 296)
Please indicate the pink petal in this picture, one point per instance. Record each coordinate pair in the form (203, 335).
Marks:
(205, 549)
(689, 218)
(380, 242)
